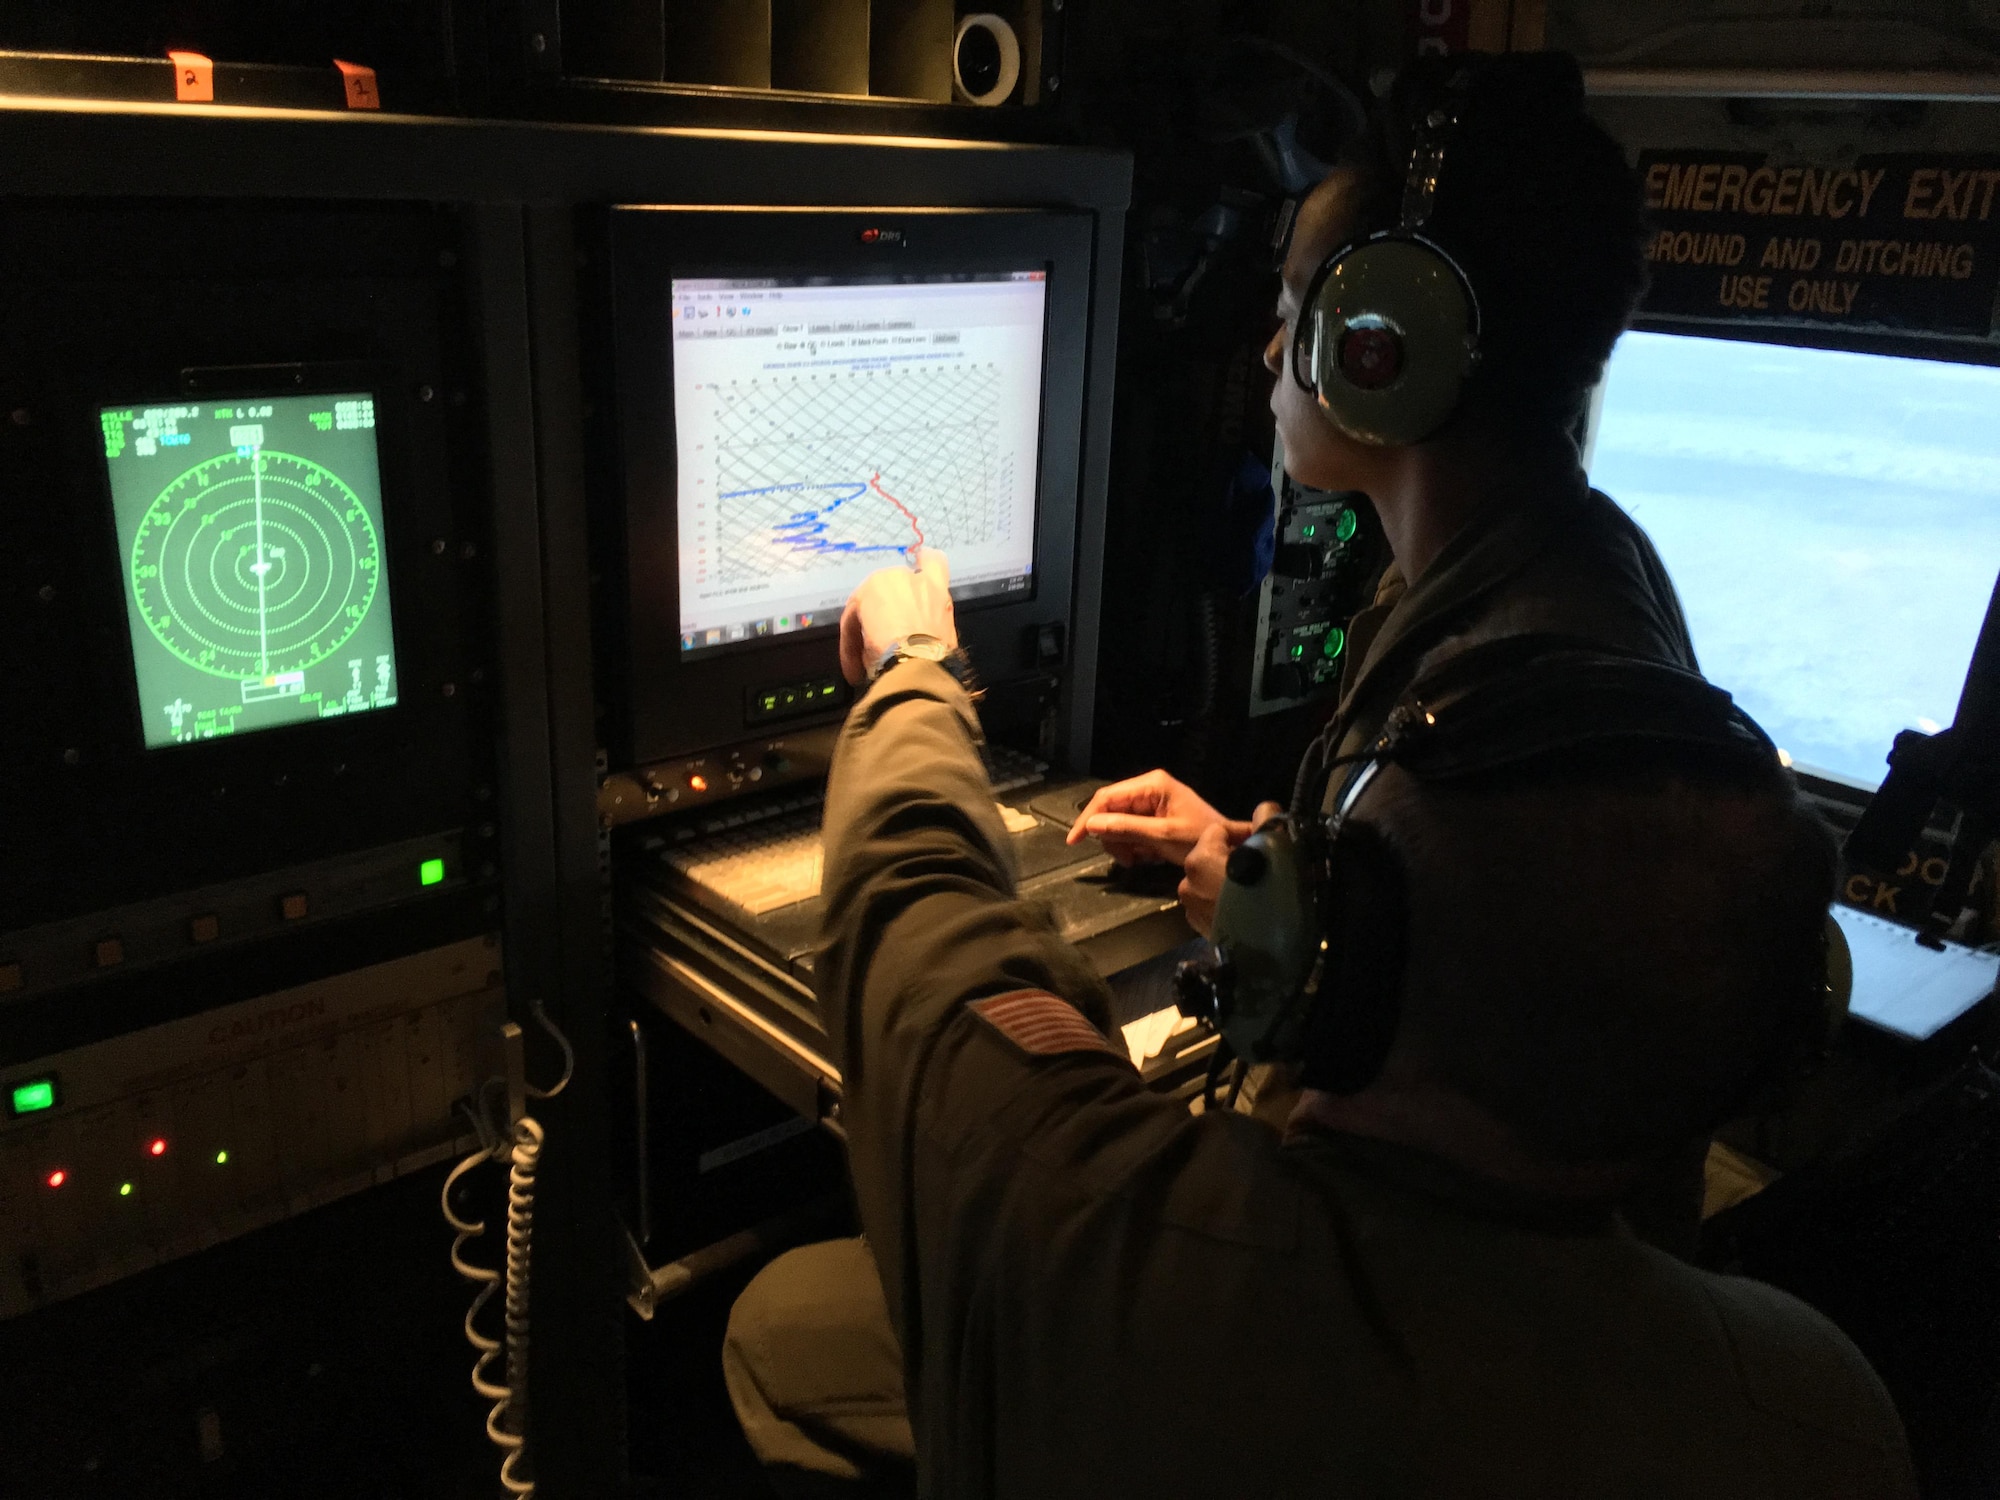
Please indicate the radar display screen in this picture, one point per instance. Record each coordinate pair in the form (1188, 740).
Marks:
(250, 535)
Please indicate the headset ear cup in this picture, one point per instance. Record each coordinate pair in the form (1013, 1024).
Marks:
(1365, 909)
(1393, 330)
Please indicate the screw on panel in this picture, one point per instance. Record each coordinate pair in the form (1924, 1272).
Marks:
(538, 42)
(451, 689)
(425, 393)
(469, 550)
(22, 416)
(1054, 83)
(437, 547)
(46, 593)
(70, 757)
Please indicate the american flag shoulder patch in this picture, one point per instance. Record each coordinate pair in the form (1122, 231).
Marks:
(1042, 1024)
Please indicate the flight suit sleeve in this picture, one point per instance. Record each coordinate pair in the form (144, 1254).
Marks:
(922, 917)
(980, 1092)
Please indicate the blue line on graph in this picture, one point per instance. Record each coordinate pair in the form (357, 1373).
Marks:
(802, 531)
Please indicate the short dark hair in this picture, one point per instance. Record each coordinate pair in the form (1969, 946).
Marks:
(1609, 959)
(1540, 208)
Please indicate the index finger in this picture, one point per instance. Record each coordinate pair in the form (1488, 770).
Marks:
(852, 647)
(931, 561)
(1136, 794)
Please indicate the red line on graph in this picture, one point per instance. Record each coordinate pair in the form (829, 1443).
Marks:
(875, 484)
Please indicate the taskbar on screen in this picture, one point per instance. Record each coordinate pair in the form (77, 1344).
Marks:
(765, 626)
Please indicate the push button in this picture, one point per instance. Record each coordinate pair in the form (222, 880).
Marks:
(293, 907)
(108, 953)
(205, 928)
(788, 700)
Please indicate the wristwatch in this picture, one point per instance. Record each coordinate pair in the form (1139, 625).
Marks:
(918, 646)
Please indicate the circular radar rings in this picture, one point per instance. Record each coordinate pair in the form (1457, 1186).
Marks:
(255, 564)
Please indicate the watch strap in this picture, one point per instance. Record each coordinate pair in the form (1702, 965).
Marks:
(953, 660)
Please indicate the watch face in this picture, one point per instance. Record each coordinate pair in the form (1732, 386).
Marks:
(926, 650)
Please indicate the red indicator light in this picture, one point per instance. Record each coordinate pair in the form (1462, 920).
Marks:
(698, 783)
(870, 236)
(57, 1178)
(158, 1145)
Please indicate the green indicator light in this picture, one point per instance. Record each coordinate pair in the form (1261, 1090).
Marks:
(1345, 527)
(1335, 643)
(1297, 652)
(124, 1189)
(39, 1093)
(222, 1158)
(431, 871)
(1310, 532)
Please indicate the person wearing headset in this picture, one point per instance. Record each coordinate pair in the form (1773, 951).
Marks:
(1539, 228)
(1553, 909)
(1448, 303)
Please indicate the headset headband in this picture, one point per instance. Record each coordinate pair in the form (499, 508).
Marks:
(1498, 707)
(1420, 181)
(1526, 699)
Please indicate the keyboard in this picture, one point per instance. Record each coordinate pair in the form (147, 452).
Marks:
(769, 857)
(758, 865)
(1010, 770)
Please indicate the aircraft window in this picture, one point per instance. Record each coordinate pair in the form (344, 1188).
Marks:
(1831, 520)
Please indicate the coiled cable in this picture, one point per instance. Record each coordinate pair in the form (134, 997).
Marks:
(520, 1239)
(507, 1420)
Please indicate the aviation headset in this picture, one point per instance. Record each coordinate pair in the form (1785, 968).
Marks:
(1310, 928)
(1388, 330)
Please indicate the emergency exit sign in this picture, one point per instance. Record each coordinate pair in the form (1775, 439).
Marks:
(1900, 243)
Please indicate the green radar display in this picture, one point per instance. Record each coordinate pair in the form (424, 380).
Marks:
(255, 584)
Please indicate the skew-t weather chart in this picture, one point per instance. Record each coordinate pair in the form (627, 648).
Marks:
(251, 537)
(829, 428)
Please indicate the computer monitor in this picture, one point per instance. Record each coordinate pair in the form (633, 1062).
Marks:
(829, 426)
(250, 543)
(1830, 518)
(804, 396)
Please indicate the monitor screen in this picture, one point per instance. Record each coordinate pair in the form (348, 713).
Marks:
(1831, 520)
(250, 537)
(828, 427)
